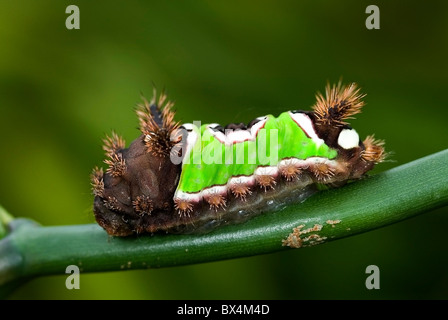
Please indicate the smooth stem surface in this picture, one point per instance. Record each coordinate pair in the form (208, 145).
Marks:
(30, 250)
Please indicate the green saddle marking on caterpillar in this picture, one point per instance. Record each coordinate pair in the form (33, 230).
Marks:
(213, 162)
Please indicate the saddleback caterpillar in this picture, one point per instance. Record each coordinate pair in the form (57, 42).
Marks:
(191, 178)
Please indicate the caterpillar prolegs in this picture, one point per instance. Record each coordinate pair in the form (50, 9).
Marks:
(191, 177)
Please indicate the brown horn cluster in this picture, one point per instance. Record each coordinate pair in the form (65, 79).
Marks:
(158, 125)
(135, 194)
(340, 103)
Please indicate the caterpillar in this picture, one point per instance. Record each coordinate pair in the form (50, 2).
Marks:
(184, 178)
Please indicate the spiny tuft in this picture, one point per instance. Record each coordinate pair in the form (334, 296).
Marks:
(160, 130)
(117, 165)
(97, 182)
(113, 144)
(340, 103)
(374, 150)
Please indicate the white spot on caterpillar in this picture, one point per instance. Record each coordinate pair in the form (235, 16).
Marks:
(188, 126)
(319, 160)
(187, 196)
(266, 171)
(192, 137)
(246, 180)
(213, 125)
(258, 126)
(291, 162)
(307, 125)
(348, 138)
(217, 134)
(214, 190)
(236, 136)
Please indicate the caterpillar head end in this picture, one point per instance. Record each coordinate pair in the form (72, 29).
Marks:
(135, 194)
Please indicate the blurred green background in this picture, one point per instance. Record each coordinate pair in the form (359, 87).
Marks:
(62, 90)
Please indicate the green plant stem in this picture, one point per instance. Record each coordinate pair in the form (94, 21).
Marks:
(422, 185)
